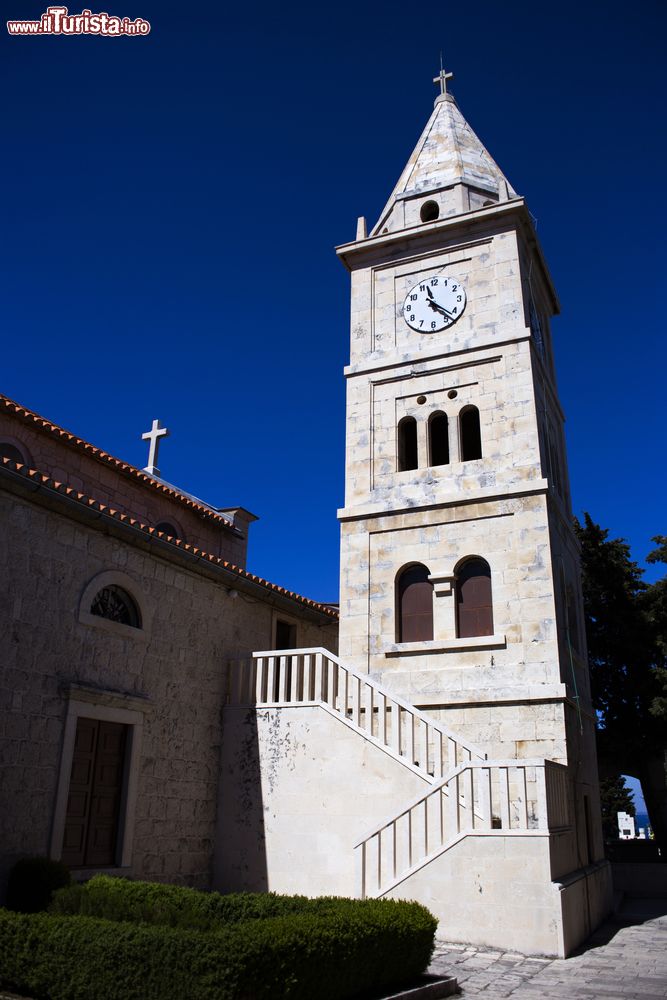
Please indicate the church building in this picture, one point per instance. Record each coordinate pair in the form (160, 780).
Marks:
(170, 716)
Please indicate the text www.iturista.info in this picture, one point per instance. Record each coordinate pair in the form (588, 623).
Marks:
(58, 21)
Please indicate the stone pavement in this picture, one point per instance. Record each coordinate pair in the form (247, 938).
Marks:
(619, 962)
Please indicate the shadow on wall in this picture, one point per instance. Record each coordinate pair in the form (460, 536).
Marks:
(240, 863)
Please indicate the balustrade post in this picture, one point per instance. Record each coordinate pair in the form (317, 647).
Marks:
(318, 692)
(485, 796)
(396, 727)
(283, 688)
(438, 762)
(382, 719)
(331, 683)
(360, 863)
(543, 819)
(308, 693)
(523, 805)
(410, 738)
(504, 791)
(356, 701)
(271, 679)
(454, 805)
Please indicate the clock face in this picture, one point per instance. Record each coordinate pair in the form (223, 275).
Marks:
(434, 303)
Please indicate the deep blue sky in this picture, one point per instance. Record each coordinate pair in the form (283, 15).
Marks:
(171, 203)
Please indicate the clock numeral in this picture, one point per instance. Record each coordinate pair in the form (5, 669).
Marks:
(458, 298)
(422, 288)
(434, 281)
(421, 322)
(454, 287)
(433, 325)
(413, 298)
(412, 318)
(455, 309)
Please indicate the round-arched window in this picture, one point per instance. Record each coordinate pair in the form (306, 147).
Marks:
(11, 452)
(429, 211)
(415, 605)
(116, 605)
(168, 529)
(474, 603)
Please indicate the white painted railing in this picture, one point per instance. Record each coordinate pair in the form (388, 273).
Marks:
(496, 798)
(306, 676)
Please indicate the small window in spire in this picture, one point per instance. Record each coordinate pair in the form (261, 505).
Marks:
(429, 211)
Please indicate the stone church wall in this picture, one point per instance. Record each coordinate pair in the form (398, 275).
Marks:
(168, 679)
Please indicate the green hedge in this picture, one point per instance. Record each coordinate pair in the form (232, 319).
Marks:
(178, 906)
(332, 949)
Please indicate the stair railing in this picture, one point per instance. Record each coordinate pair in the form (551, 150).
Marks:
(289, 677)
(491, 798)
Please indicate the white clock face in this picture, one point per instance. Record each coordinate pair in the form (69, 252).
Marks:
(434, 303)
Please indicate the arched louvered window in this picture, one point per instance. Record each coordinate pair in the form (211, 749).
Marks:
(415, 605)
(116, 605)
(474, 605)
(438, 439)
(471, 438)
(407, 444)
(168, 529)
(11, 452)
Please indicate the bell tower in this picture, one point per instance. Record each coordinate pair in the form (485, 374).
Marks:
(460, 582)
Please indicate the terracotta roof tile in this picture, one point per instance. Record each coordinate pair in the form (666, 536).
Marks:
(88, 501)
(28, 416)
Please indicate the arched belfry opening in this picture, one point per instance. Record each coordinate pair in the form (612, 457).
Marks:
(407, 444)
(470, 434)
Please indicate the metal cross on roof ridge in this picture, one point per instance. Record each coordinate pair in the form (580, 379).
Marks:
(153, 435)
(442, 78)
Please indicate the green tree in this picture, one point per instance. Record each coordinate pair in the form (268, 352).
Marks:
(626, 630)
(615, 797)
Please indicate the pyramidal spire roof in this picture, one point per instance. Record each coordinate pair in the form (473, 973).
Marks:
(450, 161)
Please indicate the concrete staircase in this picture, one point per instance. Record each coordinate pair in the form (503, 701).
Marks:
(466, 793)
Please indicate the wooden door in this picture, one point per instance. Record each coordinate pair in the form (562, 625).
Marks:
(93, 805)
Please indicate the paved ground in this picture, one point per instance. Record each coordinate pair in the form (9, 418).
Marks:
(620, 962)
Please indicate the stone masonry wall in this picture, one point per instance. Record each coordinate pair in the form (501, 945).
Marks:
(177, 665)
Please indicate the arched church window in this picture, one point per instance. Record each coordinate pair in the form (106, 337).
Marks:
(429, 211)
(168, 529)
(438, 439)
(116, 605)
(407, 444)
(474, 605)
(471, 437)
(11, 452)
(415, 605)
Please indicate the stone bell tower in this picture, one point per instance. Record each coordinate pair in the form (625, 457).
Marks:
(460, 583)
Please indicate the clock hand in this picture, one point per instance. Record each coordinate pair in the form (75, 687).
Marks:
(438, 308)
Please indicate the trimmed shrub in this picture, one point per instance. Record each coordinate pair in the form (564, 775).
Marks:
(361, 946)
(32, 881)
(177, 906)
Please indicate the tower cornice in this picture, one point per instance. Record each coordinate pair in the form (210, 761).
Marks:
(412, 240)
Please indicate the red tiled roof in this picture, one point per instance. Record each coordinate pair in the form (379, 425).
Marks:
(87, 501)
(28, 416)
